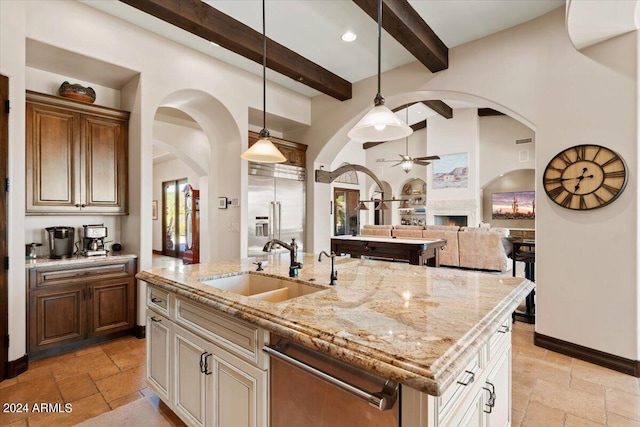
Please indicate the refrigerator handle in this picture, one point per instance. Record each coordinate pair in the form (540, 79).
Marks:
(279, 220)
(272, 212)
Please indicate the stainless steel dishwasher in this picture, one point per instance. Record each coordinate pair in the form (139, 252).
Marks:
(311, 389)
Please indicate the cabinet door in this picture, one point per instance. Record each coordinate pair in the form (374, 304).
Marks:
(56, 316)
(500, 381)
(239, 395)
(159, 355)
(190, 381)
(474, 416)
(52, 160)
(104, 165)
(112, 305)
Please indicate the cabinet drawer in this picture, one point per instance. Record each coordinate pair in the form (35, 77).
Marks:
(158, 300)
(462, 384)
(500, 338)
(235, 336)
(54, 276)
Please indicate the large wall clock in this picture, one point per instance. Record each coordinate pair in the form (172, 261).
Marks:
(585, 177)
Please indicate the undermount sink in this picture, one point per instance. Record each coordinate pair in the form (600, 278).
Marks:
(263, 288)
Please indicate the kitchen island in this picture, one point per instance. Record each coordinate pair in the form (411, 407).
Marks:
(441, 333)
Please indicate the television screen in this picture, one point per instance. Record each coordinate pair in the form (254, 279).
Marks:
(513, 205)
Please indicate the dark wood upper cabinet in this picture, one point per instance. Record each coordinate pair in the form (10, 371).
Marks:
(295, 152)
(76, 157)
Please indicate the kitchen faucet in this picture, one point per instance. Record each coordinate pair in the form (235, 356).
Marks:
(334, 273)
(294, 265)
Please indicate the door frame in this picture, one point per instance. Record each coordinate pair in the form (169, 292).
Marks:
(175, 250)
(4, 291)
(335, 208)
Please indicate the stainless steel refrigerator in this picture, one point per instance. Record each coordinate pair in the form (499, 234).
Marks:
(277, 200)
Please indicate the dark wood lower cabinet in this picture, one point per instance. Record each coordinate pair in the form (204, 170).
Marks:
(112, 306)
(56, 317)
(79, 304)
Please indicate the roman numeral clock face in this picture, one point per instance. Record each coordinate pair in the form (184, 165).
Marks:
(585, 177)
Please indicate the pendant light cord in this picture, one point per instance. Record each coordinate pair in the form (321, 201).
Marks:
(264, 133)
(379, 100)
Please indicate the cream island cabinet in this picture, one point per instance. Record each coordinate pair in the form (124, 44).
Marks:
(442, 336)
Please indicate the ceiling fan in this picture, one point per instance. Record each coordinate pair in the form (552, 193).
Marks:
(406, 161)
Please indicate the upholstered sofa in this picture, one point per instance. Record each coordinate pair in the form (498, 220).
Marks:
(483, 249)
(376, 230)
(468, 247)
(449, 256)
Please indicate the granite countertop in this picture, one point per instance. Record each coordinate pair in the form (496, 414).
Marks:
(415, 325)
(76, 259)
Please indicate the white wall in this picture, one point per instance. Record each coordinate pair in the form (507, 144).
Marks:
(394, 175)
(533, 73)
(499, 153)
(168, 171)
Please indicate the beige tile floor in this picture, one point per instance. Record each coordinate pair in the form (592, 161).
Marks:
(549, 389)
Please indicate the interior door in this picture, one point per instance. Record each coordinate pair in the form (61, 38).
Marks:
(4, 152)
(345, 211)
(174, 218)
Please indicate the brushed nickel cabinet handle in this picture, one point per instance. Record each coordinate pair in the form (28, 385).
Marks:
(472, 377)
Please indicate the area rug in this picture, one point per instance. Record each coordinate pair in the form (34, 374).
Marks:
(140, 413)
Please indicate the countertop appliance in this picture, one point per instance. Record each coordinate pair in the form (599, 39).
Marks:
(61, 243)
(276, 204)
(312, 389)
(93, 240)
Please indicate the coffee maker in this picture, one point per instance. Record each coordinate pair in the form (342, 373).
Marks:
(93, 240)
(60, 242)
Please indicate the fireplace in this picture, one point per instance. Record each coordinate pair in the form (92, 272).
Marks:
(457, 220)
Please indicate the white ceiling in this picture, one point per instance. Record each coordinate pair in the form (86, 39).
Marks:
(313, 29)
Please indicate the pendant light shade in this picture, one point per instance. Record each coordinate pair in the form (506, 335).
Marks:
(380, 123)
(362, 207)
(381, 206)
(263, 151)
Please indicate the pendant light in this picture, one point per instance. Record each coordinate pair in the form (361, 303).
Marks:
(380, 123)
(362, 207)
(263, 150)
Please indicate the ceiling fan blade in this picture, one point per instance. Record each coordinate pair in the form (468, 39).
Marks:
(399, 163)
(418, 162)
(385, 161)
(427, 158)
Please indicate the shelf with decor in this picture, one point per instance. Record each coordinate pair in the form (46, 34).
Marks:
(413, 207)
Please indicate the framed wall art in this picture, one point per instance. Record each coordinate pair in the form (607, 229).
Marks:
(513, 205)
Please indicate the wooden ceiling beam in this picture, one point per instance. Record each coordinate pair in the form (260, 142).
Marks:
(484, 112)
(405, 25)
(197, 17)
(415, 127)
(440, 107)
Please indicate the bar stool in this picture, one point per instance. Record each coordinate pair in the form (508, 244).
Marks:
(527, 255)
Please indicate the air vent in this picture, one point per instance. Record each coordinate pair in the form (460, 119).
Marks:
(524, 141)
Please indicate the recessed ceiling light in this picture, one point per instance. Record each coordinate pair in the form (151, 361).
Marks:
(349, 36)
(215, 44)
